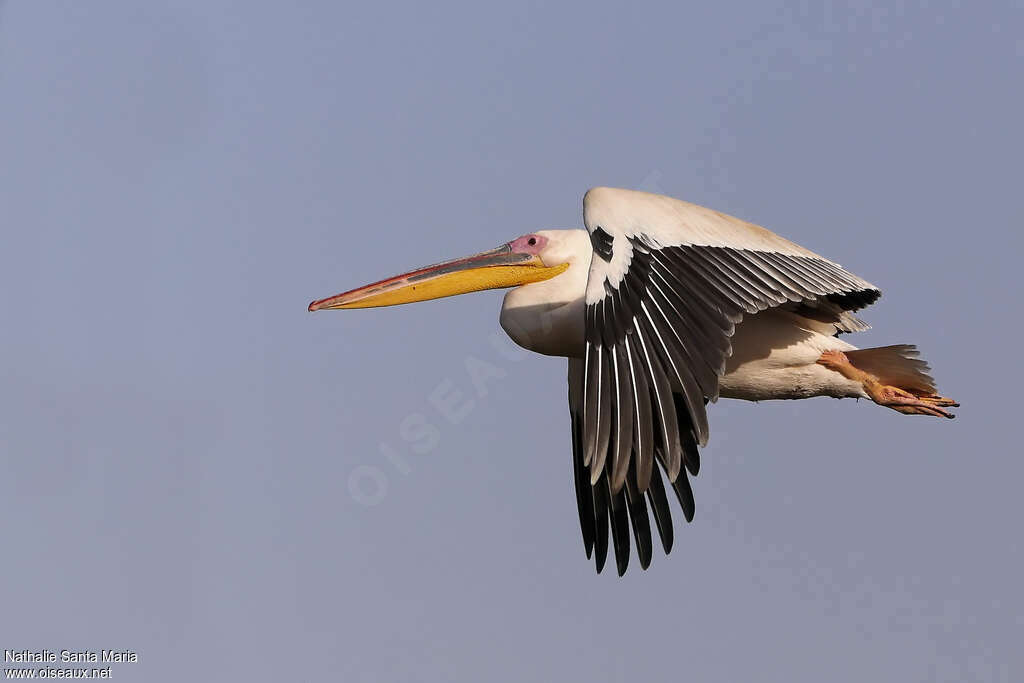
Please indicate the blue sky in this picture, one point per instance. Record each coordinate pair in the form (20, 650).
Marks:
(178, 436)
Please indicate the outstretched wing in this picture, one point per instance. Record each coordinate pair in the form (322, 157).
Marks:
(668, 283)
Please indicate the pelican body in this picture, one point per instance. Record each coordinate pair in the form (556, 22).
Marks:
(662, 306)
(774, 352)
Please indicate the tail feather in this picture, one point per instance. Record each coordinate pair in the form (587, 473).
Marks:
(898, 365)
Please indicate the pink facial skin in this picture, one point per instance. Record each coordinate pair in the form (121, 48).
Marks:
(528, 244)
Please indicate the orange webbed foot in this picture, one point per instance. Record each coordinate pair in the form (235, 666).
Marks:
(900, 400)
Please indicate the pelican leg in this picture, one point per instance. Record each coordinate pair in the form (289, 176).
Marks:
(898, 399)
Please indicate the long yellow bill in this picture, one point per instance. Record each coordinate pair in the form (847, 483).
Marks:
(501, 267)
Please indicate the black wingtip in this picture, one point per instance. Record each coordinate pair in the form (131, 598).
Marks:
(660, 508)
(691, 458)
(685, 495)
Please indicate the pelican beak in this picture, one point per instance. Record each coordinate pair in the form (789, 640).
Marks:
(494, 269)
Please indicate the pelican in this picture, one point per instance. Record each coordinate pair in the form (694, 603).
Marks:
(662, 306)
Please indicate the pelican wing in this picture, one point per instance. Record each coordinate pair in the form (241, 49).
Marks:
(669, 281)
(598, 506)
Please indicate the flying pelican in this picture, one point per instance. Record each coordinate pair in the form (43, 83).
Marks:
(661, 306)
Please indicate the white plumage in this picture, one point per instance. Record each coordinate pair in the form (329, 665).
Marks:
(662, 306)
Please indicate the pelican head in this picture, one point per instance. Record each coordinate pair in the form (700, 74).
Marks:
(525, 260)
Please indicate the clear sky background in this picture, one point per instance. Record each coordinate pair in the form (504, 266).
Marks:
(179, 436)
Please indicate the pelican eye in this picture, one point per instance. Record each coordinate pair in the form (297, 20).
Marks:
(532, 241)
